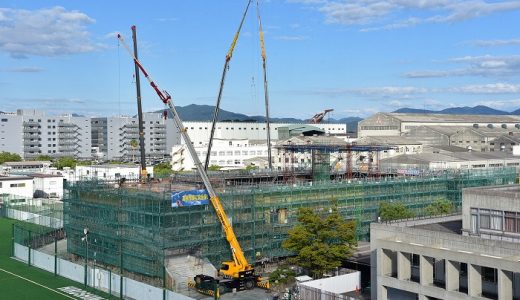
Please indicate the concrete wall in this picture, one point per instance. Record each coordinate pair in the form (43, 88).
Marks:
(337, 284)
(97, 278)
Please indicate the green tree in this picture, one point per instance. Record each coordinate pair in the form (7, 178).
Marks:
(321, 243)
(8, 156)
(134, 144)
(394, 211)
(282, 275)
(162, 170)
(65, 161)
(251, 168)
(439, 207)
(44, 158)
(214, 168)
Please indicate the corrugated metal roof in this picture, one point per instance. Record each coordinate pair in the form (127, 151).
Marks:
(387, 140)
(455, 118)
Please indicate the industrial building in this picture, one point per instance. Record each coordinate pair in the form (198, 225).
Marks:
(450, 160)
(140, 228)
(431, 259)
(30, 133)
(396, 124)
(199, 131)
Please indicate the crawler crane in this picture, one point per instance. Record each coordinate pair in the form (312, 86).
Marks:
(238, 272)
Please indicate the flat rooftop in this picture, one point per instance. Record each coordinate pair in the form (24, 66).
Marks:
(447, 227)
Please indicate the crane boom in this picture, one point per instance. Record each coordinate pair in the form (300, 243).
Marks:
(143, 174)
(266, 92)
(229, 54)
(239, 259)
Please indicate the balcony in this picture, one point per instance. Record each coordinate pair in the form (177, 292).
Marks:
(67, 130)
(35, 148)
(68, 136)
(31, 130)
(31, 123)
(28, 142)
(67, 142)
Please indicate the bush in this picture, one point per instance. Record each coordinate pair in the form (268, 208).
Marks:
(394, 211)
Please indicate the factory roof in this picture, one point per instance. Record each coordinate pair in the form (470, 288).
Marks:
(430, 118)
(449, 157)
(387, 140)
(313, 140)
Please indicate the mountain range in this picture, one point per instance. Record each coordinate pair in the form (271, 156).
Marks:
(194, 112)
(466, 110)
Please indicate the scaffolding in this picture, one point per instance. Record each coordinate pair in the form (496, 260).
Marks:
(135, 230)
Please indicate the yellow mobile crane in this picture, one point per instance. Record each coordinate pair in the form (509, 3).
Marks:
(240, 274)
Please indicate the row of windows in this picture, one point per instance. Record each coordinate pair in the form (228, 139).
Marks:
(379, 128)
(14, 185)
(508, 221)
(231, 153)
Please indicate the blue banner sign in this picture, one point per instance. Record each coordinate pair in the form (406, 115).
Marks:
(190, 198)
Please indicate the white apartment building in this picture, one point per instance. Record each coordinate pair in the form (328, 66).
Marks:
(31, 133)
(226, 153)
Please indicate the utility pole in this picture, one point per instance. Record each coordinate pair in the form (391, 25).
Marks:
(143, 174)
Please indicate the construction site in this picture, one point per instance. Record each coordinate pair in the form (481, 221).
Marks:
(137, 229)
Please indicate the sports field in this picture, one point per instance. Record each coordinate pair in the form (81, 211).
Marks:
(19, 281)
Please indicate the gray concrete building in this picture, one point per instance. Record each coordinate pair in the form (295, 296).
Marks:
(31, 133)
(396, 124)
(159, 135)
(450, 257)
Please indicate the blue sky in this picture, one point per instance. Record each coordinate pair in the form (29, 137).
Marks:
(357, 57)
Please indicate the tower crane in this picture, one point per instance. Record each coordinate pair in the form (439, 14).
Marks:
(319, 116)
(242, 274)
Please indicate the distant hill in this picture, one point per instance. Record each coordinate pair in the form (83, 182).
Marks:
(407, 110)
(194, 112)
(466, 110)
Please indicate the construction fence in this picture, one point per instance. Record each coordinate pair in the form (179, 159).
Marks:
(137, 229)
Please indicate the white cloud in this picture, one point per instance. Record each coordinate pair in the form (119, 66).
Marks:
(44, 32)
(389, 90)
(494, 88)
(291, 38)
(495, 43)
(24, 70)
(386, 13)
(487, 65)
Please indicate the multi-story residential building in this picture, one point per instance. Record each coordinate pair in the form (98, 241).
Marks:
(121, 132)
(431, 259)
(31, 133)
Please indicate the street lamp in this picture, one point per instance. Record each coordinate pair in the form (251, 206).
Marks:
(85, 239)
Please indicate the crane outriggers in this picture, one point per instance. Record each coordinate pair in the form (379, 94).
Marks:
(238, 273)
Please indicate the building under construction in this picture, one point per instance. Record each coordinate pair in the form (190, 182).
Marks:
(135, 229)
